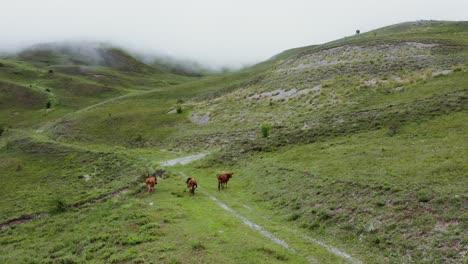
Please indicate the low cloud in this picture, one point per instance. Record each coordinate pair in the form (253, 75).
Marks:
(215, 34)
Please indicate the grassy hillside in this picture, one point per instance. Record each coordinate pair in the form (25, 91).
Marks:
(349, 151)
(297, 91)
(401, 196)
(48, 81)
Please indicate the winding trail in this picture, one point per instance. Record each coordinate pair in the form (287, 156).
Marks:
(251, 224)
(40, 215)
(49, 124)
(262, 230)
(183, 160)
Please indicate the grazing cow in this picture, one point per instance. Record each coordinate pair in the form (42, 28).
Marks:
(150, 182)
(223, 180)
(192, 185)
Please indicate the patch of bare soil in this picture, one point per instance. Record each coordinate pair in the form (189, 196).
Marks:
(200, 119)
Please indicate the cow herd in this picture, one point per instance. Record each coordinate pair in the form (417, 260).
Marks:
(192, 184)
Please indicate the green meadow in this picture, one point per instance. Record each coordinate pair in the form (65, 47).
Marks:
(352, 151)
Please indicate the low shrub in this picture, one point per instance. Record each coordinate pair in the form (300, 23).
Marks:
(265, 129)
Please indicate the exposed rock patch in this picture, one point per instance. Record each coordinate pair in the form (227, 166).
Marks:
(348, 54)
(441, 73)
(200, 119)
(280, 94)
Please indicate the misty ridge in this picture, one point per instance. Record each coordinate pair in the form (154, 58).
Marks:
(79, 54)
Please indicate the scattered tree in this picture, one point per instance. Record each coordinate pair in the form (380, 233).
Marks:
(179, 109)
(48, 105)
(58, 205)
(266, 130)
(358, 32)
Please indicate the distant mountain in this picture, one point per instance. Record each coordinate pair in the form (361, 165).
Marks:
(83, 54)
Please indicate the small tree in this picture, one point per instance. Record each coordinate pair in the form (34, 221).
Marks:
(48, 105)
(179, 109)
(266, 130)
(58, 205)
(358, 31)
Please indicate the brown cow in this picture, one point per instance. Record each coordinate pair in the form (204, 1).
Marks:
(192, 185)
(223, 180)
(150, 182)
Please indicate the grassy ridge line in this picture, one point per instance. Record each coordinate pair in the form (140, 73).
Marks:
(404, 32)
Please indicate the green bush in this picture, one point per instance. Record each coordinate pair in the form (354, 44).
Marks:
(324, 215)
(133, 240)
(179, 109)
(424, 196)
(58, 205)
(197, 246)
(293, 217)
(266, 130)
(393, 128)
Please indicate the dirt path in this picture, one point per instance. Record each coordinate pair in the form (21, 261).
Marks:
(310, 239)
(39, 215)
(90, 107)
(28, 218)
(272, 237)
(262, 230)
(183, 160)
(251, 224)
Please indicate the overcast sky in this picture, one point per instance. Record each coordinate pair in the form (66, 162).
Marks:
(217, 32)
